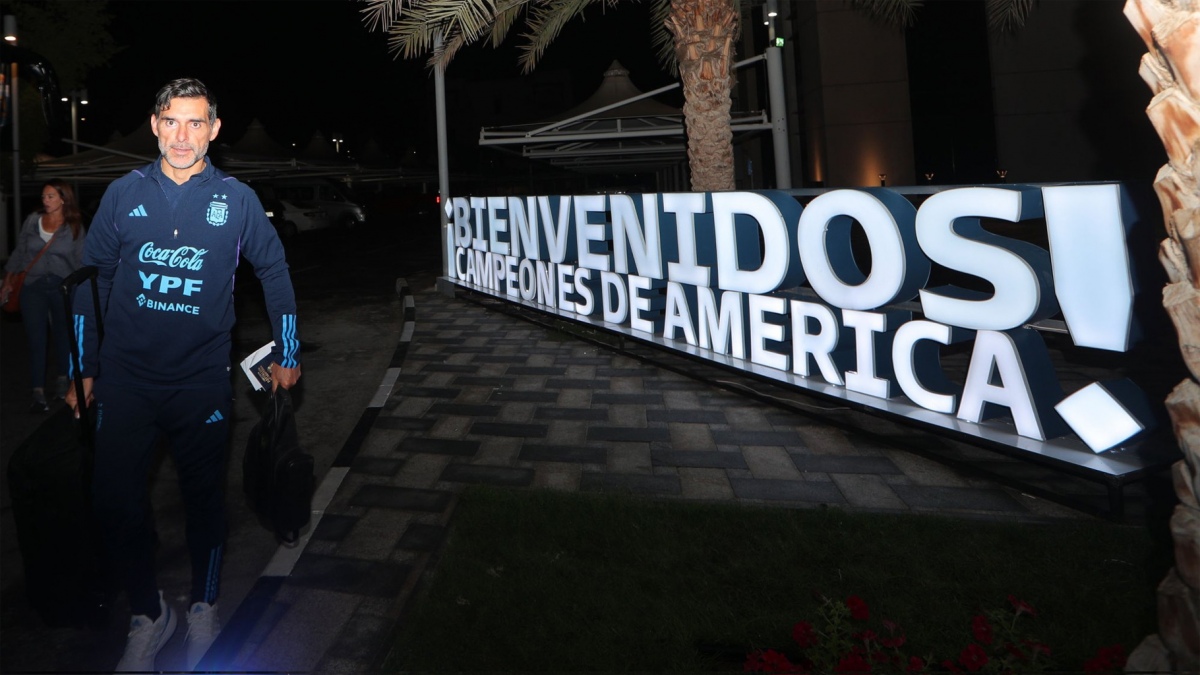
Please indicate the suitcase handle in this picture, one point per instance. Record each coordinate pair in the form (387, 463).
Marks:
(68, 287)
(68, 290)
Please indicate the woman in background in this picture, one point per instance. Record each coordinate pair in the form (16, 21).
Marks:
(56, 233)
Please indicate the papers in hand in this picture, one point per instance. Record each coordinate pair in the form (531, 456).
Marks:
(257, 367)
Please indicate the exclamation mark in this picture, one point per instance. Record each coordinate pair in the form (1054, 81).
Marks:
(1087, 227)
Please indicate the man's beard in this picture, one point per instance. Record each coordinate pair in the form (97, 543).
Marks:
(197, 154)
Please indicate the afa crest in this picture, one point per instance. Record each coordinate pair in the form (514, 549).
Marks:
(218, 213)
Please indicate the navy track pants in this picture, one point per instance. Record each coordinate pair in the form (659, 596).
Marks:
(129, 422)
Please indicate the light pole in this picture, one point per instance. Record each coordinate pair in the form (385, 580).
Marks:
(439, 100)
(337, 143)
(77, 97)
(10, 36)
(778, 103)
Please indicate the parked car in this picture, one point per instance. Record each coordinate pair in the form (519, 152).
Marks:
(297, 205)
(407, 208)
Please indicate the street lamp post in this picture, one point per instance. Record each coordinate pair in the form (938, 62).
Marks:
(778, 103)
(337, 143)
(10, 36)
(77, 97)
(439, 100)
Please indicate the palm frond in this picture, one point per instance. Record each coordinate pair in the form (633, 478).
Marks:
(450, 47)
(411, 37)
(1007, 15)
(381, 14)
(506, 15)
(660, 37)
(546, 21)
(460, 23)
(901, 13)
(411, 32)
(472, 17)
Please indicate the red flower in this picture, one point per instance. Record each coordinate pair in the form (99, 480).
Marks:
(973, 657)
(949, 665)
(804, 635)
(777, 663)
(852, 663)
(768, 661)
(1021, 606)
(915, 664)
(1107, 659)
(753, 662)
(981, 629)
(858, 608)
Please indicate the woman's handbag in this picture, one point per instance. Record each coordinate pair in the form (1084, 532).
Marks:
(13, 302)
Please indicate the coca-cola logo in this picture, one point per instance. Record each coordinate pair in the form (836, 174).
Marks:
(184, 257)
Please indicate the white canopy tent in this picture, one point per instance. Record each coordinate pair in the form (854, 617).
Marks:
(617, 129)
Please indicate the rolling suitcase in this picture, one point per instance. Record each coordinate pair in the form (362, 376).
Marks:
(49, 477)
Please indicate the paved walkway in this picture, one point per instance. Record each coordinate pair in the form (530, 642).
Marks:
(484, 397)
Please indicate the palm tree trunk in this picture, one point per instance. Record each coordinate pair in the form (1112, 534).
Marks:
(704, 32)
(1171, 31)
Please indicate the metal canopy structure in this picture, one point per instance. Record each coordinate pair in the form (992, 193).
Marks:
(618, 129)
(254, 156)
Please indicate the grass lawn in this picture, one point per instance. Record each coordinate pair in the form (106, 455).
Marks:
(545, 581)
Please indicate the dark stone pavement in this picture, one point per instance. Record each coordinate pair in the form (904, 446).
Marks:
(476, 394)
(485, 397)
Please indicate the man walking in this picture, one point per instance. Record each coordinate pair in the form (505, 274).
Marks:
(166, 240)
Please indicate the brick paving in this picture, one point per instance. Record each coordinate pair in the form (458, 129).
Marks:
(485, 397)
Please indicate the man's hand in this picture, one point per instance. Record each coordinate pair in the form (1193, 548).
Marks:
(71, 398)
(282, 377)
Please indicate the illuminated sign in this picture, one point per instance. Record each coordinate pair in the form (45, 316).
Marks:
(756, 281)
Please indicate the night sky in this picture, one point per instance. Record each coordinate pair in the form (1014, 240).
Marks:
(313, 66)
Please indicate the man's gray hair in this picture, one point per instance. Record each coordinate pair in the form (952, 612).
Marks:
(185, 87)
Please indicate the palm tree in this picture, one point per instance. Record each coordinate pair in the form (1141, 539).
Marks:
(704, 32)
(1170, 31)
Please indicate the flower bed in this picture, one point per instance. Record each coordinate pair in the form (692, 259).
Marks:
(844, 641)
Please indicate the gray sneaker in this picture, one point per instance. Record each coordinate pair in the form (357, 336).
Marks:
(39, 404)
(146, 639)
(204, 623)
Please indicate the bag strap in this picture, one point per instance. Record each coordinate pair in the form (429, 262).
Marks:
(39, 255)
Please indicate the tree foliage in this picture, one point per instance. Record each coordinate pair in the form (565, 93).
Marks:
(73, 36)
(412, 25)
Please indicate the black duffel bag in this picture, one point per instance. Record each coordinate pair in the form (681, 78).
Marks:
(276, 474)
